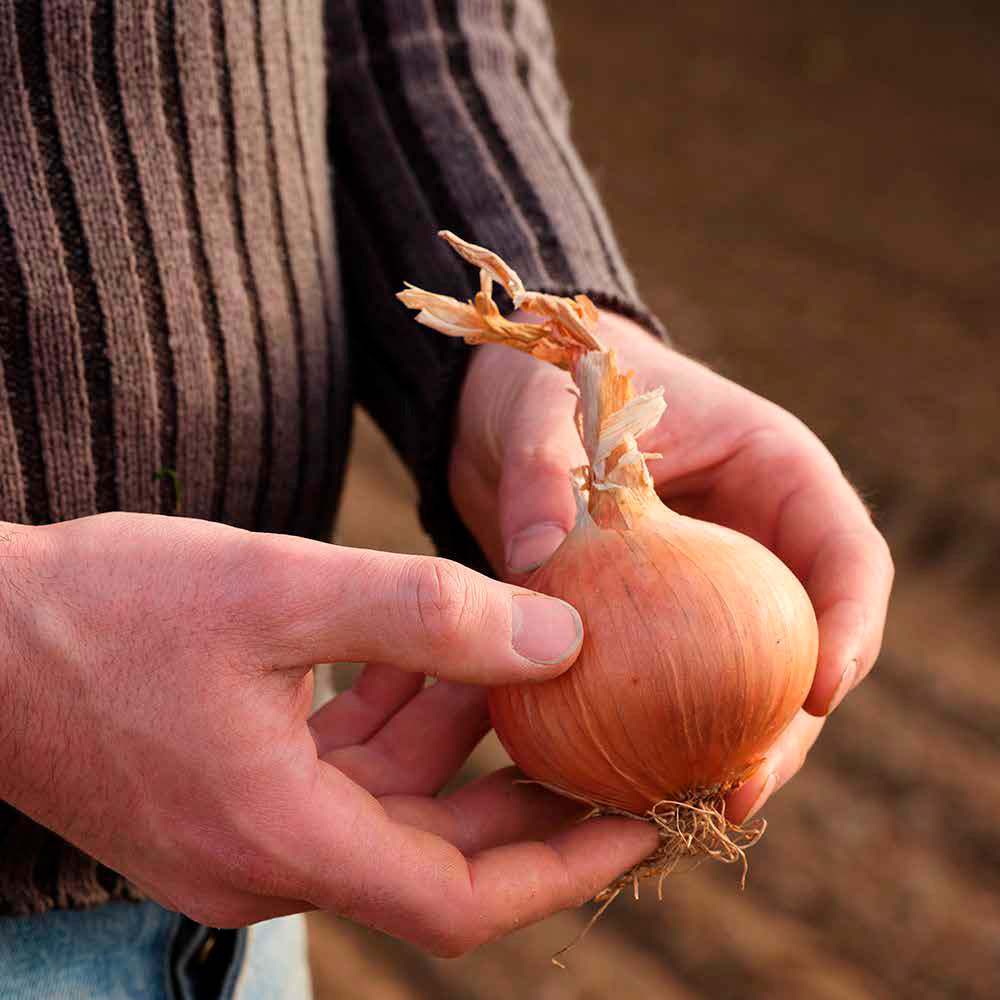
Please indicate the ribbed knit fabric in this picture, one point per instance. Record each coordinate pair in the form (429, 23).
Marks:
(186, 316)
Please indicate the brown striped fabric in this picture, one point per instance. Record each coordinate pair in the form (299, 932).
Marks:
(205, 207)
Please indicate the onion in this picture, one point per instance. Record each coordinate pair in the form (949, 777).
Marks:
(699, 644)
(679, 689)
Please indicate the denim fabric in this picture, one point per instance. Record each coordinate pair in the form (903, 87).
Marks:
(140, 951)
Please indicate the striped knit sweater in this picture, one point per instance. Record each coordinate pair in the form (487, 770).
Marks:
(205, 207)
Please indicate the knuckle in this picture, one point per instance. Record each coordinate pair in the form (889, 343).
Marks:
(260, 580)
(539, 460)
(885, 555)
(529, 460)
(442, 600)
(798, 761)
(791, 451)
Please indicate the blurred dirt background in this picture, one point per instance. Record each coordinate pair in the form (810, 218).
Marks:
(808, 194)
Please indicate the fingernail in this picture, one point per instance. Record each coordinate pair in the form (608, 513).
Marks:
(528, 549)
(762, 796)
(544, 629)
(845, 685)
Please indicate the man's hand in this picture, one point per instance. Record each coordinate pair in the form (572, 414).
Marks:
(155, 690)
(729, 456)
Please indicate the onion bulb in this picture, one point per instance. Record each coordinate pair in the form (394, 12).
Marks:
(699, 643)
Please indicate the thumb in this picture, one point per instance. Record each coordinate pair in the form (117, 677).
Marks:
(321, 603)
(539, 449)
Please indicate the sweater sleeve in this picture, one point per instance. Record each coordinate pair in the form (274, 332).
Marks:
(449, 114)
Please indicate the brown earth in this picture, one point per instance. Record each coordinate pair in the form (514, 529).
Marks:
(807, 192)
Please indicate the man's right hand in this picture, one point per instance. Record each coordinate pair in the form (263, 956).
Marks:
(155, 691)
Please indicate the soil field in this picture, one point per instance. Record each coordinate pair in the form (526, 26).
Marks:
(808, 194)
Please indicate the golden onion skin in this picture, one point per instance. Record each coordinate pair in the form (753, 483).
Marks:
(699, 648)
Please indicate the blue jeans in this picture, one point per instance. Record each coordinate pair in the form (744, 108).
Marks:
(140, 951)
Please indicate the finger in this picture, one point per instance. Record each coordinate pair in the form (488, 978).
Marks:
(496, 809)
(422, 746)
(849, 585)
(358, 713)
(303, 602)
(781, 762)
(785, 489)
(419, 887)
(827, 537)
(540, 447)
